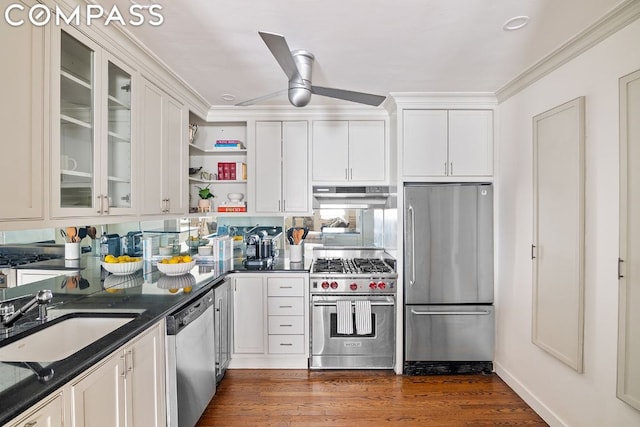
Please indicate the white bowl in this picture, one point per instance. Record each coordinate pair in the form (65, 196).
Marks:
(196, 243)
(205, 250)
(165, 250)
(235, 197)
(122, 268)
(176, 269)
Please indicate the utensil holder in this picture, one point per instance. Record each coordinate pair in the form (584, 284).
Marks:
(295, 253)
(72, 250)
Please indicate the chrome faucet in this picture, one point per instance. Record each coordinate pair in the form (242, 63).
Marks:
(8, 316)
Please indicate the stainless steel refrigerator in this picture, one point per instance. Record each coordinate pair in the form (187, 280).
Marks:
(448, 278)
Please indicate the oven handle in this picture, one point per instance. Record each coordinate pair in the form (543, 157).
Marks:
(430, 313)
(333, 304)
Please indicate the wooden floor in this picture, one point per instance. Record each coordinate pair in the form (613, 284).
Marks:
(364, 398)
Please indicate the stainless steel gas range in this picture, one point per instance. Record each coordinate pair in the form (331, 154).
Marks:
(19, 256)
(353, 309)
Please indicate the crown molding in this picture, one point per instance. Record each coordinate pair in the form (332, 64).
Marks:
(618, 18)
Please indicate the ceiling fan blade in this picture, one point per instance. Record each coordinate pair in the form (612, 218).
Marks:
(348, 95)
(280, 50)
(261, 98)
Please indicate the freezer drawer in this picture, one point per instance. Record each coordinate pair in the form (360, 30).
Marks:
(449, 332)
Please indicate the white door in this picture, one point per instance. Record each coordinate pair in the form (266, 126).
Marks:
(470, 143)
(146, 379)
(367, 152)
(151, 135)
(98, 399)
(268, 169)
(174, 162)
(424, 134)
(295, 167)
(21, 122)
(629, 263)
(249, 329)
(330, 151)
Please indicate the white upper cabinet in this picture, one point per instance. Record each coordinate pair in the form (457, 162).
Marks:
(281, 178)
(447, 143)
(425, 142)
(92, 150)
(163, 152)
(22, 122)
(349, 151)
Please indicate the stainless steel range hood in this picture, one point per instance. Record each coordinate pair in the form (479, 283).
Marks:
(352, 197)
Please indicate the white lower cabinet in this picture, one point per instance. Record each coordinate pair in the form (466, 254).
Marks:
(271, 320)
(125, 389)
(48, 413)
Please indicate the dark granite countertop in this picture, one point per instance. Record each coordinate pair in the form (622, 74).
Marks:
(87, 288)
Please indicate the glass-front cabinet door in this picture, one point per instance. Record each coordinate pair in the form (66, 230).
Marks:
(119, 154)
(95, 131)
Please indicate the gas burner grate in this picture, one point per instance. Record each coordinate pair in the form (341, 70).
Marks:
(371, 265)
(13, 260)
(329, 265)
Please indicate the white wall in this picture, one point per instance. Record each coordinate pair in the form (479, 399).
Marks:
(559, 394)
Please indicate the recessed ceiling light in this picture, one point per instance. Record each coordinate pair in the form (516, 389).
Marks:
(228, 97)
(515, 23)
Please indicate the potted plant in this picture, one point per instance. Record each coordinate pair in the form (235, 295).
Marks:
(204, 204)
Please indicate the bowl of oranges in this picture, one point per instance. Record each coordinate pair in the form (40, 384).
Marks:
(176, 265)
(121, 265)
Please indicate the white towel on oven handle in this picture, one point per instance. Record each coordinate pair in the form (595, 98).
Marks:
(363, 317)
(345, 317)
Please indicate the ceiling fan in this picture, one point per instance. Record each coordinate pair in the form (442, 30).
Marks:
(297, 66)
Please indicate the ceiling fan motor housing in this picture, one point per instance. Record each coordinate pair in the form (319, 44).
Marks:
(300, 85)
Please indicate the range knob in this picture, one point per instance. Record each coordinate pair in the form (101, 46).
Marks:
(382, 285)
(334, 285)
(325, 285)
(353, 286)
(373, 285)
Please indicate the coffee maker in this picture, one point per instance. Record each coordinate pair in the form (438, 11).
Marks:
(259, 251)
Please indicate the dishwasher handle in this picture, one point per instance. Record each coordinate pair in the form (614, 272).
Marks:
(189, 313)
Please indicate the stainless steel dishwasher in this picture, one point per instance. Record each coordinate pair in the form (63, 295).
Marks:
(191, 361)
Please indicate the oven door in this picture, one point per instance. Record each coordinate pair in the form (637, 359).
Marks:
(330, 350)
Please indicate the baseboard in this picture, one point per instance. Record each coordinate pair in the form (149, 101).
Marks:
(536, 404)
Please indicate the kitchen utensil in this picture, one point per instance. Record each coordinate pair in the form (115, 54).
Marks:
(297, 236)
(72, 232)
(82, 233)
(92, 232)
(64, 235)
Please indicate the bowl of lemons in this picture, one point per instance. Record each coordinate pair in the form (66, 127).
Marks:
(121, 265)
(176, 265)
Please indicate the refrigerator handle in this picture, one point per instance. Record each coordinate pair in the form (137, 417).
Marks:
(412, 232)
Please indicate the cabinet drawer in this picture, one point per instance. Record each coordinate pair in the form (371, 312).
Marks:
(285, 287)
(286, 344)
(283, 325)
(286, 306)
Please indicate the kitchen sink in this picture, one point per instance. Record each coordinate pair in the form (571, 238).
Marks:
(63, 338)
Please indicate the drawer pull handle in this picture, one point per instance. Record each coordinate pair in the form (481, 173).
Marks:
(286, 287)
(286, 306)
(286, 344)
(286, 326)
(30, 423)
